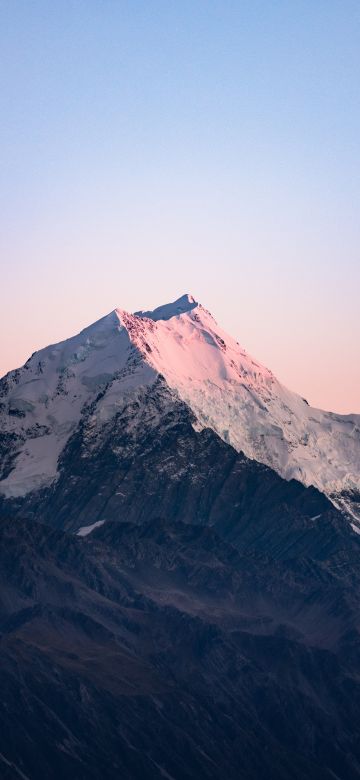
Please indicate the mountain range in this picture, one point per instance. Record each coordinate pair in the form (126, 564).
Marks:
(179, 562)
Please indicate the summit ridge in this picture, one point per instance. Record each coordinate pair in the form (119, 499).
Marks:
(182, 305)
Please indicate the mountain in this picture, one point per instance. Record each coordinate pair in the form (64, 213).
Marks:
(160, 650)
(129, 376)
(179, 579)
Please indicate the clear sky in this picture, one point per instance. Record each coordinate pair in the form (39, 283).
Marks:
(154, 147)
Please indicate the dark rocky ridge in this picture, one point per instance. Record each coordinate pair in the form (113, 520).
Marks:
(160, 650)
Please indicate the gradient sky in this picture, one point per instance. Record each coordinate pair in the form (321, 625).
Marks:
(160, 147)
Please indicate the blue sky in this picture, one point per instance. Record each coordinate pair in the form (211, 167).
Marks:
(149, 149)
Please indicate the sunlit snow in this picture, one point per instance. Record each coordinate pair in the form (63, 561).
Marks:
(226, 388)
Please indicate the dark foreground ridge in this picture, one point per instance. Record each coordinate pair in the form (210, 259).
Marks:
(162, 650)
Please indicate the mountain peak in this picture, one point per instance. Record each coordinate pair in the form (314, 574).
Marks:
(182, 305)
(113, 360)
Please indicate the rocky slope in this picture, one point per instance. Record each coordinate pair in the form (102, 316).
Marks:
(161, 650)
(149, 460)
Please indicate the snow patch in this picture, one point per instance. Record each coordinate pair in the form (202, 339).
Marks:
(85, 530)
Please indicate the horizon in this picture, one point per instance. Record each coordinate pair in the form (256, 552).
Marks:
(148, 150)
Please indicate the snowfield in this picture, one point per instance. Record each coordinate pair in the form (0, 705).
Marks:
(41, 404)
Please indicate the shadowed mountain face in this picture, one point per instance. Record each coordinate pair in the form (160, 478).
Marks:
(161, 650)
(135, 470)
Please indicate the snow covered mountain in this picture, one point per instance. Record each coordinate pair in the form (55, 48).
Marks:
(179, 349)
(170, 606)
